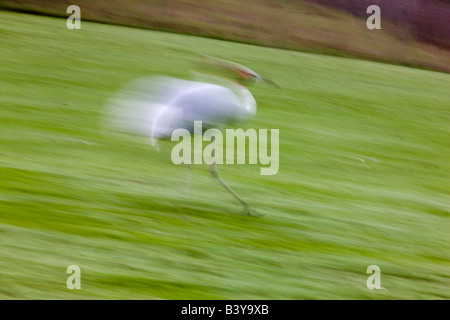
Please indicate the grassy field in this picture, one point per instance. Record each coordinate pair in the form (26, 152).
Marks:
(363, 179)
(296, 25)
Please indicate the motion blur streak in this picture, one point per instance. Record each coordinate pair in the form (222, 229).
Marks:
(363, 180)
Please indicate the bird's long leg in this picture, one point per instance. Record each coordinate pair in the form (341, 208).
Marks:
(215, 174)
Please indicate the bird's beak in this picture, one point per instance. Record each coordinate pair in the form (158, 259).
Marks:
(269, 82)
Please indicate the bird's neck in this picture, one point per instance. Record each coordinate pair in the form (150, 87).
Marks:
(246, 98)
(241, 92)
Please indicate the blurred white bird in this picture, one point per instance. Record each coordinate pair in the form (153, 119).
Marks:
(157, 106)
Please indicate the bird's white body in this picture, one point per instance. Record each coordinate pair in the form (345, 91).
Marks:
(157, 106)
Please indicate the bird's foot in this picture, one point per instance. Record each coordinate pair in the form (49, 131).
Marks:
(251, 212)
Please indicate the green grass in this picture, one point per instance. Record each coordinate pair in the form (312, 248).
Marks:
(297, 25)
(363, 179)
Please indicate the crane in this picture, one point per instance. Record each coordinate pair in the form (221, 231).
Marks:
(218, 97)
